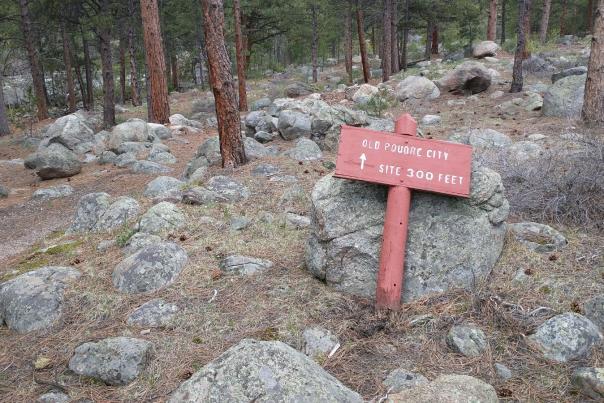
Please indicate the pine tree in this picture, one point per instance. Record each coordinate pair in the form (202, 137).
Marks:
(593, 103)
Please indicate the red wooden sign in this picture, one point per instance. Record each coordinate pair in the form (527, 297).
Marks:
(403, 162)
(395, 160)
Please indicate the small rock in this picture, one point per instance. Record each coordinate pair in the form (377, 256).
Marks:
(538, 237)
(155, 313)
(244, 265)
(139, 241)
(200, 195)
(54, 192)
(485, 48)
(536, 137)
(124, 160)
(305, 150)
(115, 361)
(4, 191)
(56, 161)
(296, 221)
(416, 87)
(566, 337)
(42, 363)
(239, 223)
(594, 310)
(263, 137)
(150, 268)
(503, 371)
(149, 167)
(467, 340)
(318, 342)
(430, 120)
(265, 170)
(419, 320)
(449, 389)
(496, 94)
(53, 397)
(105, 245)
(198, 175)
(228, 188)
(590, 382)
(400, 379)
(163, 185)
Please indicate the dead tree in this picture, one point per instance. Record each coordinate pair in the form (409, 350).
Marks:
(156, 66)
(221, 81)
(240, 56)
(523, 10)
(34, 60)
(593, 103)
(362, 45)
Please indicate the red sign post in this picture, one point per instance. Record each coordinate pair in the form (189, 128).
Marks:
(404, 162)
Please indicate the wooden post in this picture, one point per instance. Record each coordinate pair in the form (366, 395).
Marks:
(390, 279)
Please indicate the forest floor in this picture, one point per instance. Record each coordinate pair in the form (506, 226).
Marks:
(280, 303)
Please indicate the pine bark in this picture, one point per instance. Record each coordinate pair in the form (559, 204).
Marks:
(527, 30)
(362, 45)
(78, 73)
(564, 7)
(435, 40)
(589, 21)
(386, 41)
(156, 65)
(503, 20)
(404, 60)
(315, 41)
(221, 81)
(547, 5)
(523, 9)
(593, 103)
(104, 34)
(122, 58)
(4, 126)
(348, 41)
(492, 22)
(34, 60)
(240, 56)
(88, 73)
(428, 44)
(71, 97)
(394, 58)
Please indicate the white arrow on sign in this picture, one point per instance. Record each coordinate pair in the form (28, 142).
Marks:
(363, 158)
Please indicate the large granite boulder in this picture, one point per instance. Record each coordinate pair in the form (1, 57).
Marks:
(34, 300)
(150, 268)
(484, 49)
(263, 371)
(293, 124)
(416, 88)
(452, 242)
(162, 217)
(468, 78)
(564, 98)
(115, 361)
(135, 130)
(97, 212)
(448, 389)
(72, 132)
(54, 161)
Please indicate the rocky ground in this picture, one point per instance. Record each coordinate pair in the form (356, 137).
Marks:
(146, 262)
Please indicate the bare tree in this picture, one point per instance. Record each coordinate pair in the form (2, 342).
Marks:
(523, 10)
(240, 56)
(221, 80)
(159, 108)
(386, 41)
(593, 103)
(4, 126)
(71, 97)
(34, 61)
(547, 5)
(348, 40)
(492, 22)
(362, 45)
(314, 14)
(104, 35)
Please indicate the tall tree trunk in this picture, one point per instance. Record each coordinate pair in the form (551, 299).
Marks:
(394, 37)
(593, 103)
(4, 126)
(348, 41)
(81, 84)
(240, 56)
(404, 60)
(564, 7)
(104, 34)
(221, 80)
(387, 38)
(435, 40)
(154, 55)
(174, 69)
(34, 62)
(492, 22)
(315, 41)
(527, 30)
(134, 84)
(428, 47)
(547, 5)
(71, 97)
(88, 72)
(503, 20)
(362, 45)
(589, 21)
(122, 57)
(523, 10)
